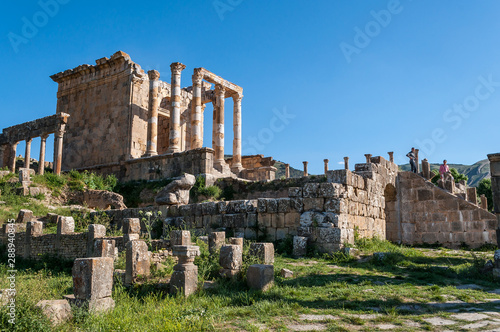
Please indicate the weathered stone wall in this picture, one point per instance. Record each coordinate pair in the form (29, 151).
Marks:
(197, 161)
(428, 214)
(65, 246)
(107, 103)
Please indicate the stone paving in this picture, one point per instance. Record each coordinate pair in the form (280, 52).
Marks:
(464, 319)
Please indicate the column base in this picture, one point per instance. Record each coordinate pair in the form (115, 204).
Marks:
(221, 166)
(150, 154)
(236, 169)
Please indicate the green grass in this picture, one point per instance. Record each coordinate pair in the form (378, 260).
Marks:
(343, 287)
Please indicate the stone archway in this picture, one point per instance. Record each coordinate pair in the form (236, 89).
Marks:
(391, 217)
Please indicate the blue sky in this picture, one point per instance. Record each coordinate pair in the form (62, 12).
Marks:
(321, 79)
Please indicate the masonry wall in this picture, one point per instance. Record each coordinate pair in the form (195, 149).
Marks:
(105, 103)
(425, 213)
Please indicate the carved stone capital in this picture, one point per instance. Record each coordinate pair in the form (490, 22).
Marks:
(197, 76)
(177, 67)
(220, 90)
(237, 97)
(153, 75)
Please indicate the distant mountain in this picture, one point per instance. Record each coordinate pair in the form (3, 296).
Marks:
(475, 173)
(294, 173)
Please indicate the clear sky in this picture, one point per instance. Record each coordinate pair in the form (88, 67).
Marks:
(321, 79)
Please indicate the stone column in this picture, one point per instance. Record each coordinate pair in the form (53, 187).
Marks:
(326, 165)
(472, 195)
(346, 162)
(484, 202)
(287, 171)
(495, 187)
(391, 156)
(368, 158)
(237, 166)
(220, 95)
(58, 146)
(12, 161)
(196, 111)
(41, 162)
(426, 169)
(305, 168)
(27, 153)
(2, 155)
(154, 103)
(417, 161)
(185, 276)
(175, 115)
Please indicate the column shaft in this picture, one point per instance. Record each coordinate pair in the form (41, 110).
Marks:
(2, 155)
(12, 155)
(41, 162)
(220, 92)
(196, 111)
(175, 115)
(58, 147)
(27, 153)
(154, 103)
(305, 168)
(237, 166)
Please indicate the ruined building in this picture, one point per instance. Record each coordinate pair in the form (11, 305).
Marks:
(112, 117)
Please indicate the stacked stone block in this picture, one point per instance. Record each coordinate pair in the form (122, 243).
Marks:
(230, 259)
(215, 241)
(93, 283)
(137, 261)
(185, 276)
(263, 251)
(428, 214)
(131, 229)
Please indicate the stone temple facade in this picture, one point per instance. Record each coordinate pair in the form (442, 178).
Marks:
(119, 119)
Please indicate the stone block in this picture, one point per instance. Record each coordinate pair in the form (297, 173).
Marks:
(265, 219)
(262, 205)
(222, 206)
(260, 276)
(104, 248)
(92, 278)
(283, 205)
(272, 205)
(131, 226)
(311, 190)
(57, 311)
(184, 279)
(95, 231)
(216, 240)
(180, 238)
(137, 261)
(130, 237)
(286, 273)
(294, 192)
(34, 228)
(292, 219)
(251, 220)
(98, 306)
(24, 216)
(297, 204)
(237, 241)
(329, 190)
(278, 220)
(263, 251)
(209, 208)
(231, 257)
(65, 225)
(281, 233)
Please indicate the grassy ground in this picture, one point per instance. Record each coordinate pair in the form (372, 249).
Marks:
(401, 291)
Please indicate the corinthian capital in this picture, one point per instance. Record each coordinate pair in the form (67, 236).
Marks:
(198, 76)
(153, 75)
(177, 67)
(237, 97)
(220, 90)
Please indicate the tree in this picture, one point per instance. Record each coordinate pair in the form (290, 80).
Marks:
(484, 188)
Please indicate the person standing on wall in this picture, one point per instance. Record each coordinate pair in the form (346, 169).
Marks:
(412, 157)
(444, 170)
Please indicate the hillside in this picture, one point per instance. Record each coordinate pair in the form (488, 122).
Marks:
(475, 172)
(294, 173)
